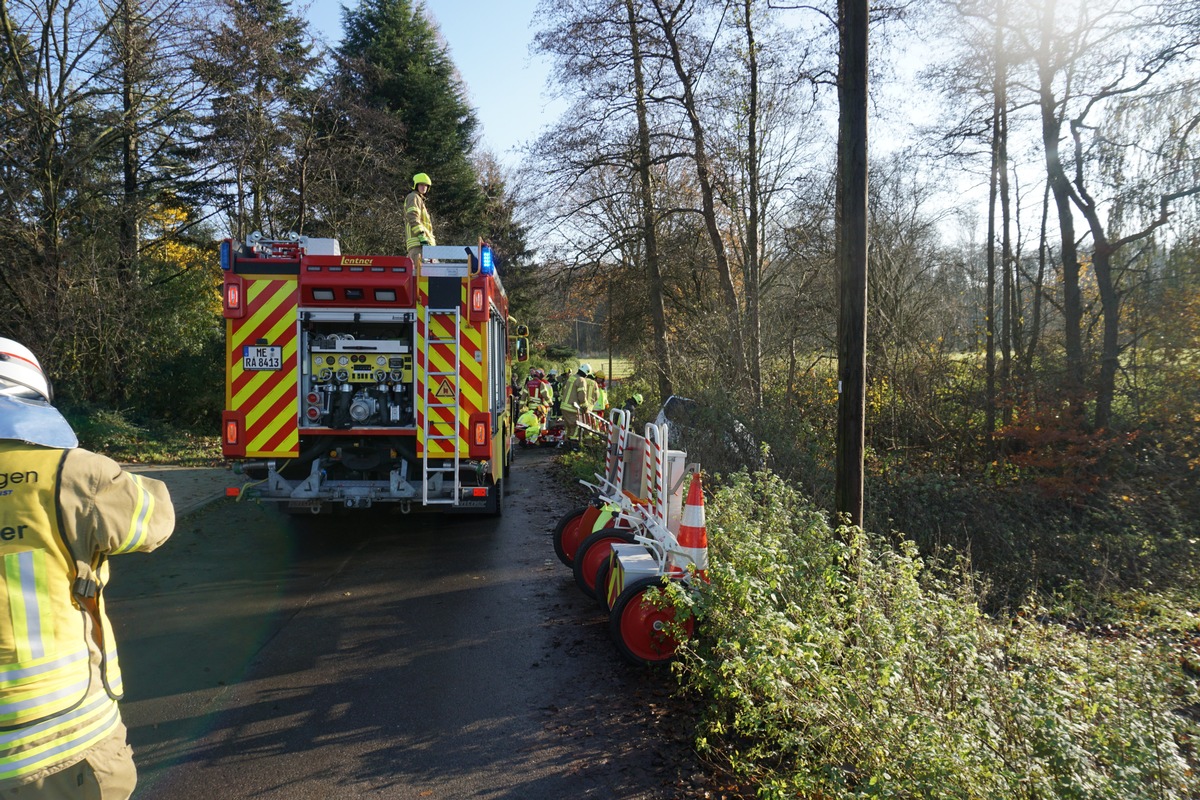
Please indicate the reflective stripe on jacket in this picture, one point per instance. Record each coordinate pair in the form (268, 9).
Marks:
(569, 389)
(417, 224)
(62, 512)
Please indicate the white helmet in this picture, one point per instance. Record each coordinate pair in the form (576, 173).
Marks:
(586, 369)
(20, 373)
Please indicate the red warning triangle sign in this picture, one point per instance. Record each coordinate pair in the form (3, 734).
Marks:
(445, 389)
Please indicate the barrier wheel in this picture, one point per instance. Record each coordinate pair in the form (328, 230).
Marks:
(592, 551)
(639, 627)
(601, 584)
(568, 534)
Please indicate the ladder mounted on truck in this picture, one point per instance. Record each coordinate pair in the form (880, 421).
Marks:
(443, 392)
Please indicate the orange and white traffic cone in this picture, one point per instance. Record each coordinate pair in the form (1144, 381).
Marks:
(692, 536)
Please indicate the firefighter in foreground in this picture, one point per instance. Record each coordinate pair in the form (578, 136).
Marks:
(417, 222)
(63, 512)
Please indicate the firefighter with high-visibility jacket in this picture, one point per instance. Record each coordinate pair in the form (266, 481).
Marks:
(533, 419)
(537, 390)
(417, 222)
(601, 393)
(63, 512)
(580, 399)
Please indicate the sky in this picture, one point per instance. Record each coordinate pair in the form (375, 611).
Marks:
(489, 43)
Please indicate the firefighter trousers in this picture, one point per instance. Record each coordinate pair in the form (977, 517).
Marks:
(414, 253)
(106, 773)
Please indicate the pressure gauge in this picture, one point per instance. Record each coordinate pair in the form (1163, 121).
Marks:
(343, 360)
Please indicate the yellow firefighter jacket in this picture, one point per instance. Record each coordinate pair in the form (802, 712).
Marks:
(418, 225)
(533, 426)
(62, 513)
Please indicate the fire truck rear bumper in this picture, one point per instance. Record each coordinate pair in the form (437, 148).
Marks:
(317, 493)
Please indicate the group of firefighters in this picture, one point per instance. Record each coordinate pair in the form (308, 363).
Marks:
(575, 397)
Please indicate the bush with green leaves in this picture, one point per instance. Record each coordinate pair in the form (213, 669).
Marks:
(122, 436)
(837, 664)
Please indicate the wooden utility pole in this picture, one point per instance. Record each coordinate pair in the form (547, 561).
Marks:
(852, 257)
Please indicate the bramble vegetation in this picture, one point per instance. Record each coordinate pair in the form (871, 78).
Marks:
(839, 664)
(122, 437)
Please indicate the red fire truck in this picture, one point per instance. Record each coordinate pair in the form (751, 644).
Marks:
(353, 381)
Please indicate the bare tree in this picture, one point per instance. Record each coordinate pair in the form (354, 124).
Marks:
(658, 312)
(687, 53)
(96, 101)
(1115, 66)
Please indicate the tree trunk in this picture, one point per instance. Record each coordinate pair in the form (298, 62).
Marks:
(668, 22)
(1035, 324)
(1061, 189)
(852, 258)
(128, 235)
(989, 414)
(658, 311)
(753, 256)
(1110, 353)
(1006, 331)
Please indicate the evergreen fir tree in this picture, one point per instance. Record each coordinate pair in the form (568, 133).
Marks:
(395, 61)
(259, 61)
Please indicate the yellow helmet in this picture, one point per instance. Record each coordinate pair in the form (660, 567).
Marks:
(421, 177)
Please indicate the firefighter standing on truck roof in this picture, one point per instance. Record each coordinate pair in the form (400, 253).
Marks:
(417, 223)
(63, 512)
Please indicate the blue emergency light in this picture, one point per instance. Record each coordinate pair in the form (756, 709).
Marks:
(486, 266)
(226, 255)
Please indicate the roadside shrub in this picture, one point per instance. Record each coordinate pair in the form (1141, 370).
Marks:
(1134, 535)
(583, 463)
(837, 664)
(123, 437)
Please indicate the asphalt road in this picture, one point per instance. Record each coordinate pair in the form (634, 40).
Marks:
(383, 656)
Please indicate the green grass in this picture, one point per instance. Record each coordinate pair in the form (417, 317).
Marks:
(621, 367)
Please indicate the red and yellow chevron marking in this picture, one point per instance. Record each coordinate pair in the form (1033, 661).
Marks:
(441, 359)
(269, 399)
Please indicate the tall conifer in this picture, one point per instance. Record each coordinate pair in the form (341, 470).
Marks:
(395, 60)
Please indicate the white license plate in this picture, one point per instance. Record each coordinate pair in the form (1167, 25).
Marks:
(262, 358)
